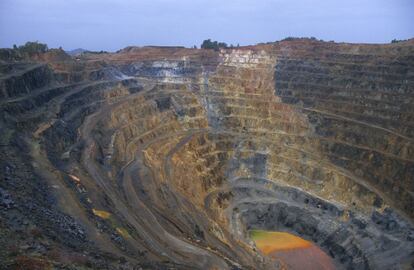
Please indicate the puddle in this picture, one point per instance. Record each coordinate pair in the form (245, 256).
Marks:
(290, 251)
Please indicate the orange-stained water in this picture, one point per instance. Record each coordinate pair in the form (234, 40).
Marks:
(292, 252)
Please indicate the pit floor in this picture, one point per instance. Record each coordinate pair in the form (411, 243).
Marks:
(290, 251)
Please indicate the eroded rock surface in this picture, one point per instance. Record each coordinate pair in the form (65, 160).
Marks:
(165, 158)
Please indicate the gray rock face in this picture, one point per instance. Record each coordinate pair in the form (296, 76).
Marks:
(6, 201)
(23, 81)
(356, 243)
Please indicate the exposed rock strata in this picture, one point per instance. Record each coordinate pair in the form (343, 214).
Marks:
(165, 157)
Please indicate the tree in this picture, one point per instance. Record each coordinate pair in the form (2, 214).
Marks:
(214, 45)
(31, 48)
(207, 44)
(222, 45)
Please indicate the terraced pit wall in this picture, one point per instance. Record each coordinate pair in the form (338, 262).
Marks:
(167, 157)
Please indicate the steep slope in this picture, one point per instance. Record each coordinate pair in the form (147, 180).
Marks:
(166, 158)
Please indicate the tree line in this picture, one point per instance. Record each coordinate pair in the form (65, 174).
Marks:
(215, 45)
(31, 48)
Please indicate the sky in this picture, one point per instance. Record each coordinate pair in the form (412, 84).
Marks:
(114, 24)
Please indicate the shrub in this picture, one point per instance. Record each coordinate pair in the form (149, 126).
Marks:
(31, 48)
(397, 40)
(299, 38)
(215, 45)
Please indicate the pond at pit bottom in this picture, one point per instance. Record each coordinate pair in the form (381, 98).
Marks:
(290, 251)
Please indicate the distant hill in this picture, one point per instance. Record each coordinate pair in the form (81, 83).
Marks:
(76, 52)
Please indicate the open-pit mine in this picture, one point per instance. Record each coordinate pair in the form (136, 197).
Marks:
(297, 154)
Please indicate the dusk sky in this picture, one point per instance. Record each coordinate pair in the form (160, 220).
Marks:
(115, 24)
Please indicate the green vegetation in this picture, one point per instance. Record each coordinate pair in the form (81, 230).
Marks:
(95, 52)
(398, 40)
(31, 48)
(22, 52)
(214, 45)
(298, 38)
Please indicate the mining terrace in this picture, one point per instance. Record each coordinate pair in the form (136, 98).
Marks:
(169, 158)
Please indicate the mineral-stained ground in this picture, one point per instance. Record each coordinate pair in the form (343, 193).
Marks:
(166, 158)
